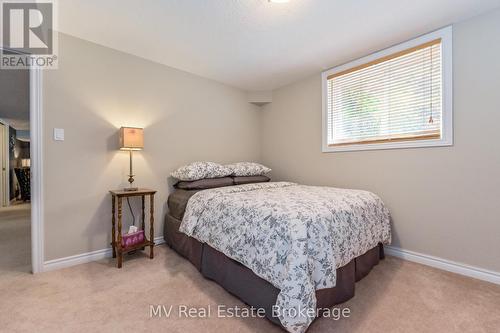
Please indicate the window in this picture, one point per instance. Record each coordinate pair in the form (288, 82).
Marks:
(396, 98)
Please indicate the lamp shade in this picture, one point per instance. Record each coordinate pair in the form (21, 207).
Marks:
(131, 138)
(25, 162)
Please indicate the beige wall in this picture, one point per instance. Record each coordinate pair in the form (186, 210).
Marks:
(444, 202)
(94, 92)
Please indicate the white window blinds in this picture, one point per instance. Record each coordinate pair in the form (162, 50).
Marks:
(394, 98)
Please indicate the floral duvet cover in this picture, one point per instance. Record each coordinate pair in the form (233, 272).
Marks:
(293, 236)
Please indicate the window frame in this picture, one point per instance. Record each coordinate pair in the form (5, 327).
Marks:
(446, 36)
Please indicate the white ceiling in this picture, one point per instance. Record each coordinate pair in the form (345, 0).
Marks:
(254, 44)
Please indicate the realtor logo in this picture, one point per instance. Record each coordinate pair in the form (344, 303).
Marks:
(27, 35)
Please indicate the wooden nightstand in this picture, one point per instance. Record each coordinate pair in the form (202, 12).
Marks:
(117, 196)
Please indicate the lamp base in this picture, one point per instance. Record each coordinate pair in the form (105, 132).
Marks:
(131, 189)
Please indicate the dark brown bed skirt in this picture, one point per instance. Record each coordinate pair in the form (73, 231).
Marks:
(253, 290)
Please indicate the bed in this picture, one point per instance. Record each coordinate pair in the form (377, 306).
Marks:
(280, 246)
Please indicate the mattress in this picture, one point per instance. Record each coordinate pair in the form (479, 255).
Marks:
(177, 202)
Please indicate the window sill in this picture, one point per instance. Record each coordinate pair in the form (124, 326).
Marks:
(388, 145)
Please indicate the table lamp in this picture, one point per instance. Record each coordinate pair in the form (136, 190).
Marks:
(131, 138)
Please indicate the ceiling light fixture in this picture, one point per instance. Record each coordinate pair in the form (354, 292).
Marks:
(278, 1)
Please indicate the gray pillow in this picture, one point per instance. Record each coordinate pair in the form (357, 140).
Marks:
(201, 170)
(250, 179)
(248, 169)
(203, 184)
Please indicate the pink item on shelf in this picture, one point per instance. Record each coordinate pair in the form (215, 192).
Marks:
(129, 240)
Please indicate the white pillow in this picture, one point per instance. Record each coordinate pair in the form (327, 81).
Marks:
(242, 169)
(201, 170)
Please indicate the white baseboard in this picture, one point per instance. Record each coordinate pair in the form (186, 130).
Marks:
(447, 265)
(83, 258)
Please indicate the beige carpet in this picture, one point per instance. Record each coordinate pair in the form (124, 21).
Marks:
(15, 238)
(397, 296)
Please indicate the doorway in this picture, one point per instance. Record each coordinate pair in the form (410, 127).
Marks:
(15, 182)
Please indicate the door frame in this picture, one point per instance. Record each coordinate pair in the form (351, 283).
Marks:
(5, 183)
(36, 156)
